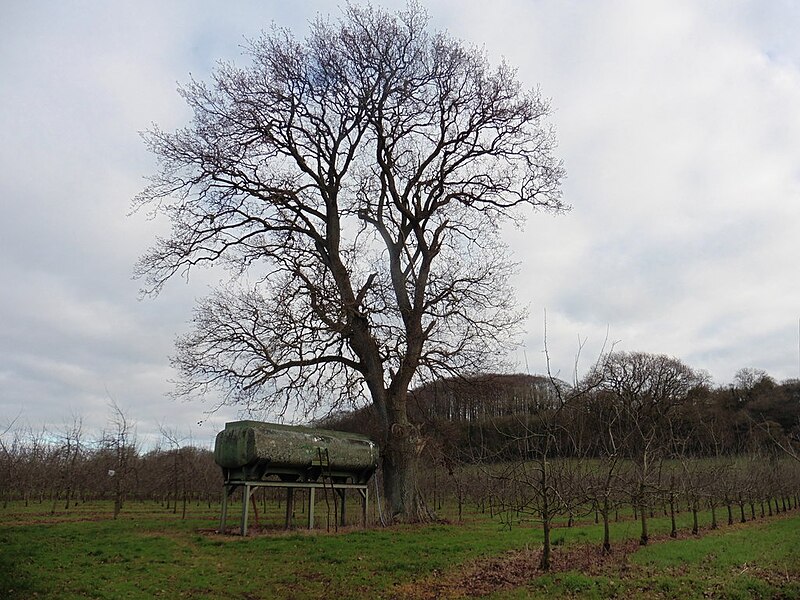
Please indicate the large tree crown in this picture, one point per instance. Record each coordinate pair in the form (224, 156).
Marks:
(365, 170)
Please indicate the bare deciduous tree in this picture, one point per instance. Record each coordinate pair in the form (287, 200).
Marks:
(604, 482)
(69, 453)
(355, 183)
(178, 476)
(647, 388)
(120, 440)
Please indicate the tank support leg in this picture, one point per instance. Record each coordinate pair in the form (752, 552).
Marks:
(364, 500)
(249, 489)
(343, 512)
(227, 492)
(289, 507)
(245, 503)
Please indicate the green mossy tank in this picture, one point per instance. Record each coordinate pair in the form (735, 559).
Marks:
(256, 451)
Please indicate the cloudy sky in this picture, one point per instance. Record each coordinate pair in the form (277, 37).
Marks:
(679, 127)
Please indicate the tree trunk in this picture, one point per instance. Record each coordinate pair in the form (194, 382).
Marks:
(544, 562)
(644, 537)
(400, 470)
(674, 530)
(68, 497)
(606, 532)
(117, 493)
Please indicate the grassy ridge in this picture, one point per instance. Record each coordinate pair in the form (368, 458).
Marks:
(151, 553)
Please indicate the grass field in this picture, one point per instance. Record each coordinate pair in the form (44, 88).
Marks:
(149, 552)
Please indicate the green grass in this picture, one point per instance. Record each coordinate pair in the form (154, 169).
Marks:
(151, 553)
(758, 560)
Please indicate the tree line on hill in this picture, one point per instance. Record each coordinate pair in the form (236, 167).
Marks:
(481, 416)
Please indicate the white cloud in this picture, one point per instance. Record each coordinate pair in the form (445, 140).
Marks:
(678, 125)
(680, 136)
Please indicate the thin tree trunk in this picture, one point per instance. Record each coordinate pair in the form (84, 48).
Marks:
(644, 537)
(606, 531)
(674, 531)
(544, 562)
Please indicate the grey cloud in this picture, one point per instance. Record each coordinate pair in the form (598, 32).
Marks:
(678, 126)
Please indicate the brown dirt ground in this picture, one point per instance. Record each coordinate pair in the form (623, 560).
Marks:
(515, 568)
(512, 569)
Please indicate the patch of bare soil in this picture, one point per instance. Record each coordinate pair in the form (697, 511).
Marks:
(253, 531)
(24, 520)
(515, 568)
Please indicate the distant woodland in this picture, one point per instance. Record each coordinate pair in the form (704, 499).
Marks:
(484, 416)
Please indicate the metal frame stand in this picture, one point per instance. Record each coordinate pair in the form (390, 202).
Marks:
(340, 489)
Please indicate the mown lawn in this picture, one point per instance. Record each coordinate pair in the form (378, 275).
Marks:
(150, 552)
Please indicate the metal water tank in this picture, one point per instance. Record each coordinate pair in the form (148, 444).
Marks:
(256, 451)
